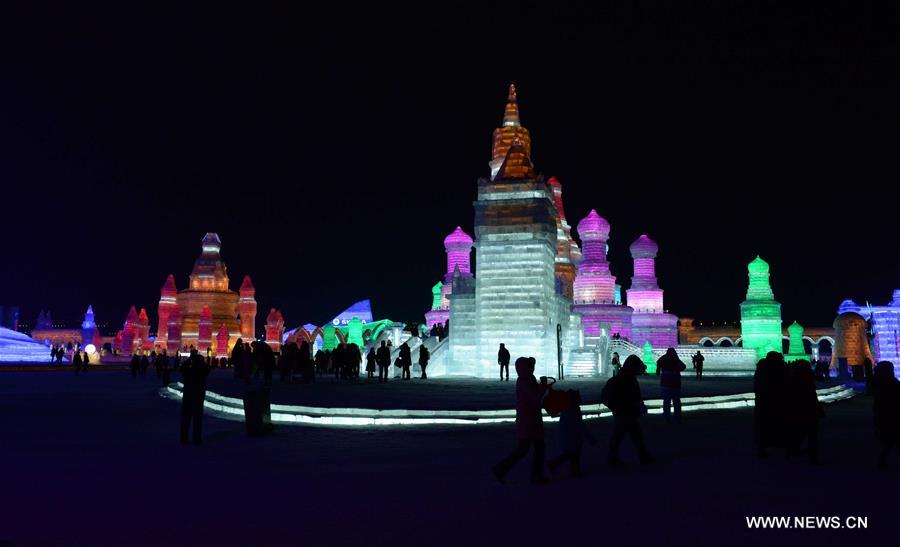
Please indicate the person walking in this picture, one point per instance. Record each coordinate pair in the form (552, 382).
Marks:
(503, 361)
(529, 423)
(615, 364)
(804, 411)
(383, 358)
(697, 360)
(670, 368)
(194, 372)
(770, 394)
(371, 363)
(622, 395)
(405, 361)
(424, 355)
(572, 432)
(76, 362)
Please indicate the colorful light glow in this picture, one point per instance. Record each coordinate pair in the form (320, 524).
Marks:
(760, 313)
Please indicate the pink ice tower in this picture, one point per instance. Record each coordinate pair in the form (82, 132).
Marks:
(458, 246)
(595, 286)
(649, 322)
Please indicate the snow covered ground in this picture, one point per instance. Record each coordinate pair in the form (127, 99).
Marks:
(95, 460)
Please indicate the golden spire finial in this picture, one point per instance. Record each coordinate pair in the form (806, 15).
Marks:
(511, 114)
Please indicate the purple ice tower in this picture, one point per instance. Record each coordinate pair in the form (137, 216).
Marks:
(595, 287)
(459, 249)
(649, 322)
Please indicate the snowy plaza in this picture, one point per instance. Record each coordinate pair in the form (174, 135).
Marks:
(104, 464)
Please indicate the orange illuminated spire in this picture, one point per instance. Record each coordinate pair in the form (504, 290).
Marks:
(511, 115)
(511, 148)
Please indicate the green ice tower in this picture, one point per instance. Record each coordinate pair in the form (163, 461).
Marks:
(760, 313)
(648, 360)
(795, 348)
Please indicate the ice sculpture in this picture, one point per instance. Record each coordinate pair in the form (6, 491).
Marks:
(649, 322)
(796, 352)
(850, 343)
(167, 301)
(568, 254)
(247, 308)
(516, 301)
(885, 327)
(222, 342)
(89, 328)
(16, 347)
(173, 330)
(594, 287)
(458, 246)
(205, 327)
(648, 359)
(760, 313)
(274, 329)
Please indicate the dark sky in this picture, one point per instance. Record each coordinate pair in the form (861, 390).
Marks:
(332, 149)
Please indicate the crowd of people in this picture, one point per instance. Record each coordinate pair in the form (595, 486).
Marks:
(786, 414)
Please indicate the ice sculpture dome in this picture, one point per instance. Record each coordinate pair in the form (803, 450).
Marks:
(458, 239)
(643, 247)
(758, 265)
(593, 225)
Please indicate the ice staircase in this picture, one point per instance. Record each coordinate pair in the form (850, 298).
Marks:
(583, 362)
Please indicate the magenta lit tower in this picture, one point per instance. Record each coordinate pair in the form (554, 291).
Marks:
(247, 309)
(167, 302)
(458, 246)
(173, 330)
(204, 337)
(130, 331)
(595, 286)
(649, 322)
(144, 329)
(274, 329)
(222, 341)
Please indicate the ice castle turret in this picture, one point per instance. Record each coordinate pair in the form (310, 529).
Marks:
(796, 352)
(649, 322)
(568, 254)
(88, 327)
(516, 301)
(595, 286)
(458, 245)
(760, 313)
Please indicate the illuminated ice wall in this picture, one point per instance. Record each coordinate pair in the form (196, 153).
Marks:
(649, 322)
(760, 313)
(595, 286)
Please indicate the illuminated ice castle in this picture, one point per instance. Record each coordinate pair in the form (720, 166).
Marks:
(649, 322)
(518, 295)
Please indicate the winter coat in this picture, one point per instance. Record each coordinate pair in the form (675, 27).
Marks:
(670, 368)
(529, 422)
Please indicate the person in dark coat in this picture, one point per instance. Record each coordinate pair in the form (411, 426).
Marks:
(135, 365)
(237, 358)
(194, 372)
(503, 361)
(572, 432)
(265, 359)
(670, 368)
(337, 361)
(383, 357)
(803, 411)
(697, 360)
(770, 392)
(305, 363)
(163, 360)
(886, 410)
(424, 355)
(371, 363)
(622, 395)
(405, 361)
(76, 361)
(354, 357)
(145, 364)
(529, 422)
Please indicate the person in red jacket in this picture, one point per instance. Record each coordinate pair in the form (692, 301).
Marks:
(529, 422)
(670, 368)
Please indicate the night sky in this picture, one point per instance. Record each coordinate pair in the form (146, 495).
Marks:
(332, 150)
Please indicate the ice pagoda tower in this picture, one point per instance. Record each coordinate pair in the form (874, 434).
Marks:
(517, 298)
(649, 322)
(760, 313)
